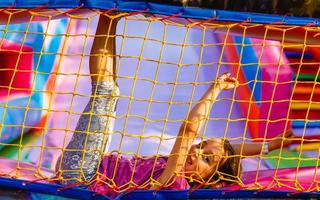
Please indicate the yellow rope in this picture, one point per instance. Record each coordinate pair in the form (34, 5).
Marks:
(159, 61)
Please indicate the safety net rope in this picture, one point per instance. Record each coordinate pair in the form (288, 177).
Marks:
(154, 85)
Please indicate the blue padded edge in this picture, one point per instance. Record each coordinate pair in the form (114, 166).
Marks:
(78, 193)
(39, 3)
(51, 189)
(209, 194)
(153, 8)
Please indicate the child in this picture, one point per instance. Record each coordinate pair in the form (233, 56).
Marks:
(214, 161)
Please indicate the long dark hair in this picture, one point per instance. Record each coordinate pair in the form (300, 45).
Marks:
(229, 169)
(227, 172)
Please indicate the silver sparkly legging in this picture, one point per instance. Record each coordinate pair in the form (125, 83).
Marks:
(80, 159)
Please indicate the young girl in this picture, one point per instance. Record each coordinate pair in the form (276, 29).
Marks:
(213, 162)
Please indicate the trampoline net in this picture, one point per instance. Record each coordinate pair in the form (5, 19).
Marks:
(163, 66)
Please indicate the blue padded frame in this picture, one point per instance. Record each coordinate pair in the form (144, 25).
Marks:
(51, 189)
(154, 8)
(85, 194)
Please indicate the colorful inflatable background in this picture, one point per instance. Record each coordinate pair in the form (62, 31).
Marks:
(22, 93)
(59, 124)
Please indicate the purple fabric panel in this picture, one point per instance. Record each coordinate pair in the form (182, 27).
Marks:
(121, 172)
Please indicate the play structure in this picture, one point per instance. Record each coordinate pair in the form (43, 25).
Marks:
(167, 56)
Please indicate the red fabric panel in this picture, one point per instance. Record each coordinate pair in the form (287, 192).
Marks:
(15, 69)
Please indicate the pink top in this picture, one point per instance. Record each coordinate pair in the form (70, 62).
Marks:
(110, 184)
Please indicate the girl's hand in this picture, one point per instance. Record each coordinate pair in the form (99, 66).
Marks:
(225, 82)
(282, 142)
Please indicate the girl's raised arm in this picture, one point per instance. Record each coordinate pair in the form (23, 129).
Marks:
(191, 127)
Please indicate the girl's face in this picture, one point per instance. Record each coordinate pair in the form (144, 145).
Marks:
(204, 158)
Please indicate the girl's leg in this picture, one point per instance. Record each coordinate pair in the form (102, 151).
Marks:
(81, 158)
(102, 59)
